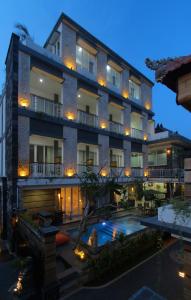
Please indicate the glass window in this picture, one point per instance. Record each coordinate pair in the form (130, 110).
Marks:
(137, 160)
(85, 60)
(136, 121)
(113, 77)
(157, 158)
(134, 90)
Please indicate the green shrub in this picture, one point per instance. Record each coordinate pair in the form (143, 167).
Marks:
(123, 254)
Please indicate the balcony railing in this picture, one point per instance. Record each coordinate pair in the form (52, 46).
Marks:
(166, 173)
(87, 118)
(137, 172)
(46, 106)
(118, 171)
(85, 168)
(46, 170)
(116, 127)
(137, 133)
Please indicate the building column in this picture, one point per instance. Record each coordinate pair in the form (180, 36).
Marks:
(125, 83)
(127, 119)
(23, 146)
(101, 68)
(103, 142)
(145, 125)
(127, 157)
(70, 151)
(24, 80)
(103, 110)
(68, 46)
(69, 100)
(146, 95)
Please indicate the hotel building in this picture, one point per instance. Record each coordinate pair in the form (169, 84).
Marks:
(71, 105)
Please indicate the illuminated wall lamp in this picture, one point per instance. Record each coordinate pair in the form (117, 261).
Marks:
(103, 125)
(103, 173)
(127, 172)
(181, 274)
(102, 81)
(148, 105)
(24, 102)
(145, 137)
(168, 151)
(70, 172)
(125, 94)
(70, 116)
(23, 171)
(127, 132)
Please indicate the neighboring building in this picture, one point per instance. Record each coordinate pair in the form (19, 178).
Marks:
(166, 153)
(69, 105)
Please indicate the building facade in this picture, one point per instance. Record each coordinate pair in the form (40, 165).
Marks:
(69, 106)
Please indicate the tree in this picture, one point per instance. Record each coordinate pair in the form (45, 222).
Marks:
(94, 186)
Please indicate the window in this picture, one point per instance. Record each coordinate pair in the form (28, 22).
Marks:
(86, 62)
(116, 158)
(137, 160)
(134, 90)
(157, 158)
(113, 77)
(56, 47)
(136, 121)
(45, 154)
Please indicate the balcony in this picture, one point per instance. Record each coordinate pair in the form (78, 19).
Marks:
(137, 172)
(46, 106)
(166, 173)
(137, 133)
(116, 127)
(117, 172)
(87, 118)
(85, 168)
(46, 170)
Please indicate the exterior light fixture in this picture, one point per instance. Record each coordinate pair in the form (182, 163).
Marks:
(23, 170)
(103, 124)
(103, 223)
(101, 81)
(127, 132)
(104, 172)
(145, 137)
(80, 253)
(41, 80)
(181, 274)
(70, 172)
(70, 115)
(79, 95)
(127, 172)
(148, 105)
(80, 49)
(125, 94)
(69, 63)
(168, 151)
(146, 173)
(108, 68)
(24, 102)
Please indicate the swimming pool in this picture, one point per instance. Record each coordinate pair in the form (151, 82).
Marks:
(107, 231)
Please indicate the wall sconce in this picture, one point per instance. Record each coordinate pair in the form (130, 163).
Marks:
(103, 125)
(70, 64)
(127, 132)
(104, 172)
(127, 172)
(70, 172)
(147, 105)
(145, 137)
(101, 81)
(125, 94)
(146, 173)
(70, 115)
(132, 189)
(24, 102)
(23, 170)
(181, 274)
(168, 151)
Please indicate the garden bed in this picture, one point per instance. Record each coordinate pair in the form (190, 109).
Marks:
(113, 261)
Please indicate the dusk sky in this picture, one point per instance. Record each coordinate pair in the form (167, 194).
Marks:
(135, 29)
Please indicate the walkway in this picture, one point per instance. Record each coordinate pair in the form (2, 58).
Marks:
(160, 273)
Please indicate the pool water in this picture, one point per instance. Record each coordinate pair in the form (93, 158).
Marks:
(107, 231)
